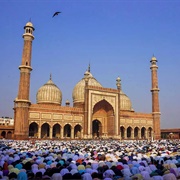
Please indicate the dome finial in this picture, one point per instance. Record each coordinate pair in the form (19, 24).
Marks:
(50, 76)
(118, 82)
(89, 68)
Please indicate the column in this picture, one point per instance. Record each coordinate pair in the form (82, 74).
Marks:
(72, 132)
(50, 132)
(125, 134)
(146, 134)
(62, 132)
(39, 132)
(132, 134)
(139, 133)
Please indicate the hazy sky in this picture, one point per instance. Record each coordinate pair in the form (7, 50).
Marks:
(118, 38)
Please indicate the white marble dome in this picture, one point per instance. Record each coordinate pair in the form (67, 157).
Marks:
(49, 93)
(78, 91)
(125, 102)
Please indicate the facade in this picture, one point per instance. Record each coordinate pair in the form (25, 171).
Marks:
(6, 127)
(170, 133)
(97, 112)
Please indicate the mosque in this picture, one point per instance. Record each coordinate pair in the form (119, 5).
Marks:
(97, 111)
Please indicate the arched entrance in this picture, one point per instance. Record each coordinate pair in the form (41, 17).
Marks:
(136, 132)
(150, 130)
(33, 130)
(3, 134)
(67, 131)
(103, 124)
(143, 133)
(45, 130)
(122, 132)
(96, 129)
(56, 131)
(77, 131)
(129, 132)
(9, 135)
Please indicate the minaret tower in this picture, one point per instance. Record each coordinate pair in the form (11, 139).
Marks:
(155, 99)
(118, 84)
(22, 103)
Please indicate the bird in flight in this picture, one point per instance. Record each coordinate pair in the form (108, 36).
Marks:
(56, 13)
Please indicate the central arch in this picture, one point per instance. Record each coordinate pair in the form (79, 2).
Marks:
(103, 119)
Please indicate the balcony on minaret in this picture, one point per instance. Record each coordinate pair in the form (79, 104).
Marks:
(28, 28)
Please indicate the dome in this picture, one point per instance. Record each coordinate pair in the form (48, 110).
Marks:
(49, 93)
(125, 103)
(153, 59)
(29, 24)
(78, 91)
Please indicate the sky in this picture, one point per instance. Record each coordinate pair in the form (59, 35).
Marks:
(117, 38)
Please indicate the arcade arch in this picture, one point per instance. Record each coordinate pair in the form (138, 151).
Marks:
(67, 131)
(129, 132)
(56, 131)
(33, 130)
(45, 130)
(136, 132)
(77, 131)
(143, 133)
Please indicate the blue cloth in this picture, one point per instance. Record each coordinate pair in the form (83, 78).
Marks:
(22, 176)
(18, 166)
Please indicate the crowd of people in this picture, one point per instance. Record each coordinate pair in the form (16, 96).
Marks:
(89, 160)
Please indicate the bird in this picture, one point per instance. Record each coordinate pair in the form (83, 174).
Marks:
(56, 13)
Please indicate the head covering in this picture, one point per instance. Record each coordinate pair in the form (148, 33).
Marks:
(73, 171)
(64, 171)
(56, 176)
(169, 176)
(22, 176)
(139, 176)
(76, 176)
(108, 173)
(12, 175)
(126, 172)
(145, 175)
(81, 167)
(18, 166)
(86, 176)
(67, 176)
(15, 170)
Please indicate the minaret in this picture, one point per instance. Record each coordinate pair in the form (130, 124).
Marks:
(118, 84)
(155, 99)
(22, 103)
(86, 74)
